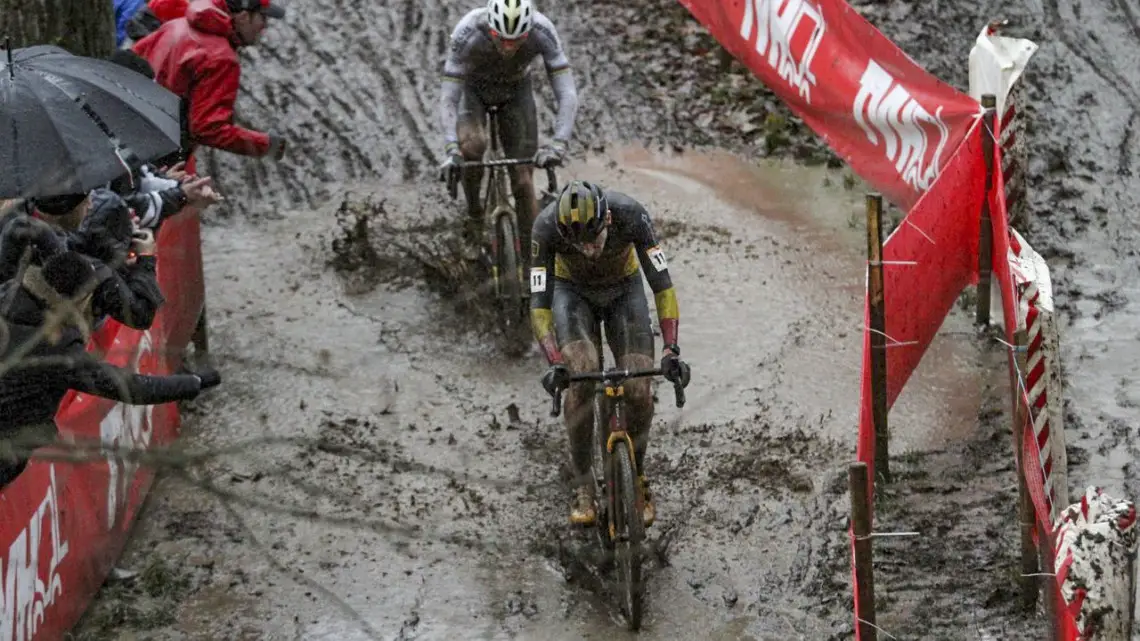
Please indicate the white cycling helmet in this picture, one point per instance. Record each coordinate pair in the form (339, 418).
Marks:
(511, 18)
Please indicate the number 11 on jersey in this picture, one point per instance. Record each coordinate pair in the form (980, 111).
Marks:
(657, 257)
(537, 280)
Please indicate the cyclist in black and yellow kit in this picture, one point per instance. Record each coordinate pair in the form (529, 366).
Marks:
(588, 249)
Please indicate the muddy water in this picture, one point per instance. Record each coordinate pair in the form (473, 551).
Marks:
(413, 507)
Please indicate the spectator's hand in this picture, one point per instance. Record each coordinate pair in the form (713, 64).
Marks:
(177, 172)
(550, 155)
(207, 377)
(143, 243)
(200, 193)
(276, 147)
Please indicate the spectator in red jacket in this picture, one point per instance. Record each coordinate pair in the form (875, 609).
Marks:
(196, 58)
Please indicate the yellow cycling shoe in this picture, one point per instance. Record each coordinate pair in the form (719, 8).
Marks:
(582, 510)
(648, 510)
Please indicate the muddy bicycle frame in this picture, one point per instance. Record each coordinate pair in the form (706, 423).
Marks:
(501, 226)
(620, 526)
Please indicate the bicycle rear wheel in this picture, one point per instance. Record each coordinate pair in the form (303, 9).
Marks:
(630, 530)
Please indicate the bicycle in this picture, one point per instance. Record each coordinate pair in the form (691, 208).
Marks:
(619, 497)
(501, 248)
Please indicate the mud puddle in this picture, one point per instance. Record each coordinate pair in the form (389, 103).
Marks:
(402, 479)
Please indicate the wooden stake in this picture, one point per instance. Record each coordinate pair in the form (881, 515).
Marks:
(1052, 594)
(878, 329)
(986, 232)
(864, 571)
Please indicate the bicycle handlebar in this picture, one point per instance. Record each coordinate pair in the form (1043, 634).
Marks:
(501, 162)
(615, 376)
(453, 176)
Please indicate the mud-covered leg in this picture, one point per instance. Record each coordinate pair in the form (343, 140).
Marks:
(578, 408)
(519, 134)
(526, 205)
(472, 134)
(631, 339)
(639, 405)
(577, 329)
(472, 144)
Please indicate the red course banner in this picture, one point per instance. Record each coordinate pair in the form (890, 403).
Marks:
(890, 120)
(63, 525)
(931, 258)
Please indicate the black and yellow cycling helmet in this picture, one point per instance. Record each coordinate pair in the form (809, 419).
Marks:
(582, 211)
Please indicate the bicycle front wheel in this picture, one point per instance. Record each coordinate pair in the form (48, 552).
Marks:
(630, 531)
(510, 275)
(600, 475)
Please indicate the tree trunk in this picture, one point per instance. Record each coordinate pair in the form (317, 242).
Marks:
(83, 27)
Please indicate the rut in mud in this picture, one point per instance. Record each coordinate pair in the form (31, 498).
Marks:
(415, 489)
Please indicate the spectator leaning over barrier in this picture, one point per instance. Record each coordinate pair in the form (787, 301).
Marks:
(196, 58)
(43, 355)
(152, 194)
(127, 288)
(124, 259)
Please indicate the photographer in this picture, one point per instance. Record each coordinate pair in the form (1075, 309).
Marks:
(124, 261)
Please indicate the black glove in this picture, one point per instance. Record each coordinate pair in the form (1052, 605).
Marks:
(453, 162)
(675, 370)
(550, 155)
(556, 378)
(207, 377)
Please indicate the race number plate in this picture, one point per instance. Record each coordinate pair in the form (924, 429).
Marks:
(537, 280)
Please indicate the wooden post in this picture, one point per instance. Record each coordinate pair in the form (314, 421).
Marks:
(878, 329)
(986, 231)
(1048, 582)
(864, 571)
(1025, 512)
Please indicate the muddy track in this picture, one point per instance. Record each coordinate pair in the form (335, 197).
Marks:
(417, 487)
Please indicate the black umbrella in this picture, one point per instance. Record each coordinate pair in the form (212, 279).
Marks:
(66, 121)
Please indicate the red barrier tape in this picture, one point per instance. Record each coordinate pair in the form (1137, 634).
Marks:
(918, 297)
(1029, 458)
(940, 236)
(893, 122)
(63, 525)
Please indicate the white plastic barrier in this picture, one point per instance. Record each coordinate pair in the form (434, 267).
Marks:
(1042, 372)
(1095, 554)
(996, 65)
